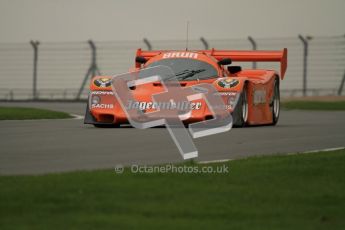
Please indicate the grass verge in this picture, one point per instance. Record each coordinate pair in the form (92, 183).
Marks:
(303, 191)
(21, 113)
(314, 105)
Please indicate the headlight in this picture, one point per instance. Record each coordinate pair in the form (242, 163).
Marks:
(228, 83)
(102, 82)
(95, 100)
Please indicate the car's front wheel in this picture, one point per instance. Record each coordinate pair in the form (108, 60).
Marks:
(240, 115)
(275, 103)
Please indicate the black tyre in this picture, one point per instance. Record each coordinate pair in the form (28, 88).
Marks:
(240, 115)
(106, 125)
(275, 103)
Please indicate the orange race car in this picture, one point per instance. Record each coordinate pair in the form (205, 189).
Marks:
(251, 95)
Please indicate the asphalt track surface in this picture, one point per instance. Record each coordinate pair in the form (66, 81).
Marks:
(44, 146)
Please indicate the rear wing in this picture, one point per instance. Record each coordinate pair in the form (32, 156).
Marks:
(238, 55)
(253, 56)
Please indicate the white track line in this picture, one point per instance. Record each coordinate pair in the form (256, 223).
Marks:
(319, 150)
(76, 116)
(294, 153)
(214, 161)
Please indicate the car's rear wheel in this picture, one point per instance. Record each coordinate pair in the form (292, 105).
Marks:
(240, 115)
(275, 103)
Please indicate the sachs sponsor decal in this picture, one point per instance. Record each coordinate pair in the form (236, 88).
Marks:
(102, 106)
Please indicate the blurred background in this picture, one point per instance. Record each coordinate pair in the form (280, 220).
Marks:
(49, 50)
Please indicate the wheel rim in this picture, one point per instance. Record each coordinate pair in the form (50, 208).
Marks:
(244, 107)
(276, 102)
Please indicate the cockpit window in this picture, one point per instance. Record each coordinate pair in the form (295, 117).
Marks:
(188, 69)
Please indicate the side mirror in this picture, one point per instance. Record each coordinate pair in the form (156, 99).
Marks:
(234, 69)
(140, 59)
(225, 61)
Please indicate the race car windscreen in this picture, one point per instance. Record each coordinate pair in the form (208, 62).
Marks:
(187, 69)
